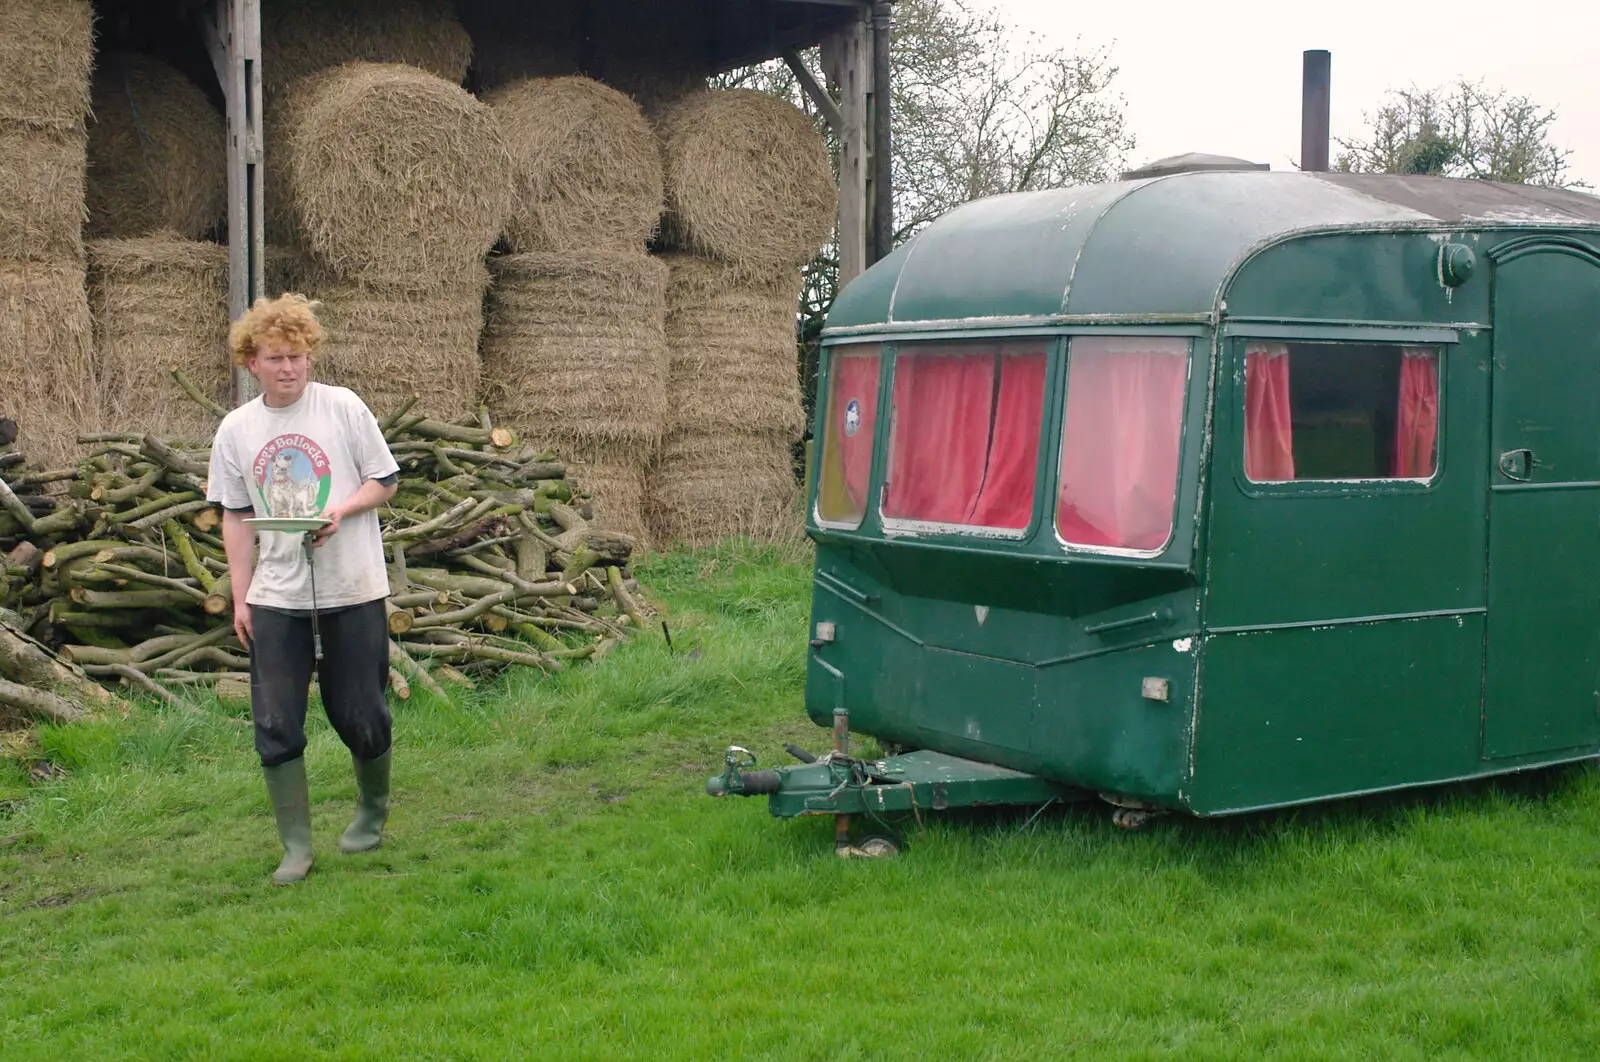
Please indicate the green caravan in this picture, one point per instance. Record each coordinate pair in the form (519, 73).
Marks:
(1207, 493)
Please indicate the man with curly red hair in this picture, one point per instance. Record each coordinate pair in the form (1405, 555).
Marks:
(307, 450)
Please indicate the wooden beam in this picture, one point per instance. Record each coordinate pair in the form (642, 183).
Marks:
(233, 38)
(846, 64)
(216, 45)
(882, 141)
(814, 91)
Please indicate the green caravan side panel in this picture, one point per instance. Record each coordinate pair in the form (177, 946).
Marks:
(1308, 553)
(1097, 728)
(1052, 695)
(1304, 713)
(1368, 276)
(1543, 671)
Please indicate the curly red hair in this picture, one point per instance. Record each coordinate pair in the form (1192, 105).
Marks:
(289, 319)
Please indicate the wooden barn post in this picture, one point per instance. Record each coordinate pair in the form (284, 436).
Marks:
(846, 62)
(233, 37)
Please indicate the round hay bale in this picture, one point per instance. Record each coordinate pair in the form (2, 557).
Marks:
(709, 485)
(49, 384)
(157, 153)
(46, 54)
(613, 475)
(159, 302)
(41, 192)
(574, 347)
(389, 343)
(587, 166)
(301, 37)
(748, 179)
(731, 347)
(392, 175)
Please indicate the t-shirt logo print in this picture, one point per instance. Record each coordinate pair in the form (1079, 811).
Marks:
(292, 475)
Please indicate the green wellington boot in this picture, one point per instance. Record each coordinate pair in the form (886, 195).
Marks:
(372, 806)
(291, 804)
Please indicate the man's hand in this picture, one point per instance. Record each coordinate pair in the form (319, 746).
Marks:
(333, 515)
(242, 625)
(369, 495)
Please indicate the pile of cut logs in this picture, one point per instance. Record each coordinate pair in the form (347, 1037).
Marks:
(114, 570)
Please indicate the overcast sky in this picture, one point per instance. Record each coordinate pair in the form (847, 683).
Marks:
(1225, 77)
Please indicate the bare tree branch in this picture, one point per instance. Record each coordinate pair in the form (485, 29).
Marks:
(1464, 130)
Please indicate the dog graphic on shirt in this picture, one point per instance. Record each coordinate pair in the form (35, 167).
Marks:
(287, 496)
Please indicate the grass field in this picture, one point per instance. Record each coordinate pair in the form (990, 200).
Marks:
(555, 885)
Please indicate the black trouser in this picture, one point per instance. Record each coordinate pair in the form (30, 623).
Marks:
(353, 675)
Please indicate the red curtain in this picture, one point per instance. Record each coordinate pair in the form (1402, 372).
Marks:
(1006, 498)
(855, 380)
(1268, 431)
(939, 440)
(1119, 453)
(1417, 429)
(965, 440)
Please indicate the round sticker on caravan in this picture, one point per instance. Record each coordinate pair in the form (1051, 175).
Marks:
(852, 416)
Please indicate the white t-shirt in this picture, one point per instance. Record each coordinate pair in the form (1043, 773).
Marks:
(296, 461)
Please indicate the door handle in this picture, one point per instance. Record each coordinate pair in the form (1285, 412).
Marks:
(1517, 465)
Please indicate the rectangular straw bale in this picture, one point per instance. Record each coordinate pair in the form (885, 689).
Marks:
(158, 303)
(709, 485)
(46, 55)
(45, 335)
(574, 347)
(41, 191)
(388, 343)
(613, 475)
(732, 350)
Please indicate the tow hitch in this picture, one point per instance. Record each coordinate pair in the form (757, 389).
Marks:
(843, 786)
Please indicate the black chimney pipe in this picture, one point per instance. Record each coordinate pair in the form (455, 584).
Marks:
(881, 238)
(1316, 84)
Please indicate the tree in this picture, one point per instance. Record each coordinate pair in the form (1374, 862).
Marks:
(1463, 130)
(978, 109)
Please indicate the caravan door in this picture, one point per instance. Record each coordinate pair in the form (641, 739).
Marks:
(1542, 680)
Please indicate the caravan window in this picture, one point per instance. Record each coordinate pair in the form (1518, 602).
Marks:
(851, 416)
(964, 434)
(1340, 411)
(1121, 439)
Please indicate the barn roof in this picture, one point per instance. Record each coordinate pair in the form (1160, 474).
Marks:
(1161, 246)
(710, 35)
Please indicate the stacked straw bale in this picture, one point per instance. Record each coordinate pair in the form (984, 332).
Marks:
(46, 383)
(392, 184)
(159, 302)
(41, 192)
(388, 342)
(574, 351)
(731, 340)
(46, 54)
(391, 174)
(301, 37)
(575, 356)
(46, 375)
(706, 486)
(748, 180)
(725, 466)
(750, 197)
(587, 166)
(157, 152)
